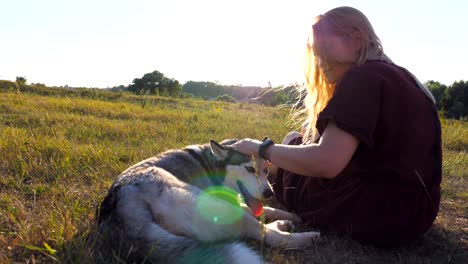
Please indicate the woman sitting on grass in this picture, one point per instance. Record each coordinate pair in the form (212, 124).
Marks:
(368, 164)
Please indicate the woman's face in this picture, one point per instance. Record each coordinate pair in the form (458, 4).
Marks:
(339, 54)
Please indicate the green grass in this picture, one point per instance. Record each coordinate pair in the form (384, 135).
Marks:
(60, 153)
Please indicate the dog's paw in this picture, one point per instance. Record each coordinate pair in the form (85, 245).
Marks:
(282, 225)
(301, 240)
(272, 214)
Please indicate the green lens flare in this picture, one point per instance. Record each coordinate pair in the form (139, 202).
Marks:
(219, 205)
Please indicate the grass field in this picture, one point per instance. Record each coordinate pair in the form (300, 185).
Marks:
(60, 154)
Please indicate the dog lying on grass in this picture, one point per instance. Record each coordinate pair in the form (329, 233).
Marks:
(184, 206)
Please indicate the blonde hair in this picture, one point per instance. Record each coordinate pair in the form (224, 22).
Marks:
(343, 22)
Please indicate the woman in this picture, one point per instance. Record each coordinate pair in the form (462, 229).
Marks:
(368, 164)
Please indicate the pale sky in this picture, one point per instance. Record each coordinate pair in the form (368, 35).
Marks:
(104, 43)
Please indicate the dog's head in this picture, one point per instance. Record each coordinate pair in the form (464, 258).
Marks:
(245, 175)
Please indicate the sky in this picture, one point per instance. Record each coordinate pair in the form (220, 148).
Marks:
(106, 43)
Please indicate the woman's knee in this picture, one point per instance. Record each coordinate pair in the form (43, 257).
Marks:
(290, 137)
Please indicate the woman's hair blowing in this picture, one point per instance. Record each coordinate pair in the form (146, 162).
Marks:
(342, 22)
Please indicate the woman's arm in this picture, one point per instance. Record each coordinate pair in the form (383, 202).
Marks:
(325, 159)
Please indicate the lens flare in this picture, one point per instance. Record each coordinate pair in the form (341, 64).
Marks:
(219, 205)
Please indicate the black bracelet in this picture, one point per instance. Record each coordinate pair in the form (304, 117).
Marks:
(263, 147)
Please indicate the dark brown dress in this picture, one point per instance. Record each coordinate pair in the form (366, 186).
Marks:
(389, 193)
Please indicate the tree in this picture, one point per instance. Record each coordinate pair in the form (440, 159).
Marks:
(20, 80)
(437, 89)
(156, 83)
(205, 89)
(174, 87)
(457, 97)
(453, 100)
(119, 88)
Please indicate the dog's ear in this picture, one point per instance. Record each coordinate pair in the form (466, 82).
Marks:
(218, 150)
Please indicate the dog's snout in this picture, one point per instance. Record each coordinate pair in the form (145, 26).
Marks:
(268, 193)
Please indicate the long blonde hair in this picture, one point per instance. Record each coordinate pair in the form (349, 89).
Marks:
(343, 22)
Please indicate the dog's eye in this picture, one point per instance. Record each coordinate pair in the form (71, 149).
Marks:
(250, 169)
(266, 170)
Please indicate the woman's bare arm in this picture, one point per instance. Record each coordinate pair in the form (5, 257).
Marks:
(325, 159)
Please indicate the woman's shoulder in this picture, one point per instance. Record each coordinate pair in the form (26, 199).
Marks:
(372, 67)
(369, 72)
(378, 70)
(377, 67)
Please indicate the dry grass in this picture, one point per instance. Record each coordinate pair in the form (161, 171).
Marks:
(59, 155)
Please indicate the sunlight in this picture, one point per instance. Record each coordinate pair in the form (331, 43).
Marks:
(219, 213)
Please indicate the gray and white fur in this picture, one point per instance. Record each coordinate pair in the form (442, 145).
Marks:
(150, 212)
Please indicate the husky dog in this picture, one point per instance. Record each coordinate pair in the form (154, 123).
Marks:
(159, 210)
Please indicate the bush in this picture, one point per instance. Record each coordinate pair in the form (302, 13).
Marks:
(8, 85)
(226, 98)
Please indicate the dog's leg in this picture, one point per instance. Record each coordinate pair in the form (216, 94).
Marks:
(275, 237)
(248, 226)
(183, 210)
(272, 214)
(274, 234)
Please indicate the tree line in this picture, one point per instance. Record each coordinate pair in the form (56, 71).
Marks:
(451, 100)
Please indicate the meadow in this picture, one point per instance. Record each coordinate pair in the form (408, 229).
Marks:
(59, 154)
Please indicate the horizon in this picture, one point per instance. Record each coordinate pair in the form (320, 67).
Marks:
(107, 43)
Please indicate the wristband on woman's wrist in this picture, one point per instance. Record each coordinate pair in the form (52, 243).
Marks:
(263, 148)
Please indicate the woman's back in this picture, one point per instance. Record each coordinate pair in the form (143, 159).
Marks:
(399, 131)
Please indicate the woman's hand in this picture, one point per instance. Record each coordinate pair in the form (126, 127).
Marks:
(247, 146)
